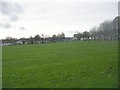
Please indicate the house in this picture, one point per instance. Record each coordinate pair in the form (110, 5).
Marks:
(19, 42)
(67, 39)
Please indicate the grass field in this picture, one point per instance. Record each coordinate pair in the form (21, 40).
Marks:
(83, 64)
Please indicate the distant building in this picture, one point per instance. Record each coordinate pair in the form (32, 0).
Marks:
(6, 44)
(19, 42)
(70, 39)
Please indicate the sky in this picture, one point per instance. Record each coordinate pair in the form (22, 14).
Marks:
(25, 18)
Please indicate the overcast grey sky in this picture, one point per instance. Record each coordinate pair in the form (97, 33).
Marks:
(25, 18)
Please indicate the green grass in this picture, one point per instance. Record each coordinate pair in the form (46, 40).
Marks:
(83, 64)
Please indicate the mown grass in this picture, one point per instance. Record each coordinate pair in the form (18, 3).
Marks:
(83, 64)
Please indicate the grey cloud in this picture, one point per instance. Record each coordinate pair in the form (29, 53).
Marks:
(9, 8)
(13, 18)
(5, 25)
(12, 10)
(73, 31)
(22, 28)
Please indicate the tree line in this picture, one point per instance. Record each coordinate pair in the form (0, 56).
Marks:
(36, 39)
(107, 30)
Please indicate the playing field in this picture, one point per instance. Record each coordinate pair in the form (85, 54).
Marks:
(82, 64)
